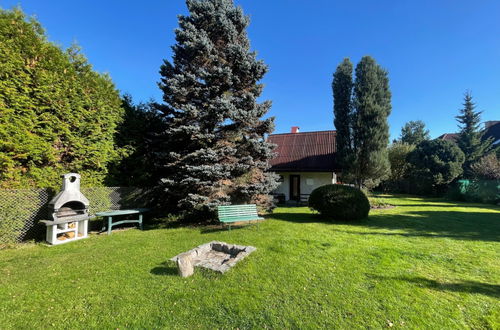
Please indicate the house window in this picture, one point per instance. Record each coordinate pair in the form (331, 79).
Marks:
(310, 182)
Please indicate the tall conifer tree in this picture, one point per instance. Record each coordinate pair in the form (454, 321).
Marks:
(342, 110)
(216, 151)
(414, 132)
(372, 103)
(470, 138)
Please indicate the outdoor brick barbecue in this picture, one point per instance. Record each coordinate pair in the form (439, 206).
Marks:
(69, 211)
(217, 256)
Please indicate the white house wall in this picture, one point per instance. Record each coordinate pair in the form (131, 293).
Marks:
(308, 181)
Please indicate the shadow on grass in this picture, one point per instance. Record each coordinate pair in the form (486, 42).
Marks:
(450, 224)
(422, 201)
(219, 228)
(297, 217)
(165, 268)
(453, 204)
(225, 227)
(487, 289)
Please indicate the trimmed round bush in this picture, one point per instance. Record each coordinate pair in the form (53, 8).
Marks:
(339, 202)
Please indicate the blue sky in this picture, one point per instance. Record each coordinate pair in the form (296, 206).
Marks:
(433, 50)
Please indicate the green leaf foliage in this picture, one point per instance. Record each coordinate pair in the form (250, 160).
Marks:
(436, 163)
(56, 114)
(138, 137)
(398, 180)
(339, 202)
(486, 168)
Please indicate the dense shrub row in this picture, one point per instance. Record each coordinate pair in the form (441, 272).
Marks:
(478, 191)
(56, 113)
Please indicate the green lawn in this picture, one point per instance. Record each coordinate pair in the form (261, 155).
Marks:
(425, 264)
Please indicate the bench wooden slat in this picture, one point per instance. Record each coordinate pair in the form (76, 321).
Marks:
(238, 213)
(237, 219)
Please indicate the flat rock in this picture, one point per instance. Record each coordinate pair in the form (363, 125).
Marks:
(217, 256)
(185, 264)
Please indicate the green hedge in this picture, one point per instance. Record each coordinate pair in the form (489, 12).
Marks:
(479, 191)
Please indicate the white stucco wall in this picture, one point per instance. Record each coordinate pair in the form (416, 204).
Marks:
(308, 181)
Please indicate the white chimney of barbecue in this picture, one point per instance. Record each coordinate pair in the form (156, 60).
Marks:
(70, 192)
(295, 129)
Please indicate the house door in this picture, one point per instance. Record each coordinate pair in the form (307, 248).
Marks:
(295, 187)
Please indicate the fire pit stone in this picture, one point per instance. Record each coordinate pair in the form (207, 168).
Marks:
(217, 256)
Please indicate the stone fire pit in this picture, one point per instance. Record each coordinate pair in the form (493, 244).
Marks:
(218, 256)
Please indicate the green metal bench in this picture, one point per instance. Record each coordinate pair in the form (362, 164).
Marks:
(237, 213)
(110, 214)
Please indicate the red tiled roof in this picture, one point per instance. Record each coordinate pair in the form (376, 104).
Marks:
(449, 137)
(308, 151)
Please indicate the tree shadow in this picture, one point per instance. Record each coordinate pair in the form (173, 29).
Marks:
(165, 268)
(433, 205)
(473, 287)
(451, 224)
(298, 217)
(218, 228)
(453, 204)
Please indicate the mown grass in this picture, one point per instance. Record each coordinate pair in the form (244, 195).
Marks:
(424, 264)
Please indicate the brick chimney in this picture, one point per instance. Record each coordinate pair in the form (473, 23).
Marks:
(295, 129)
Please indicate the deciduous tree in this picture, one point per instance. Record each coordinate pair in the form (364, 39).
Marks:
(486, 168)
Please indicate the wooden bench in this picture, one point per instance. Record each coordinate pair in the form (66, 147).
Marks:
(237, 213)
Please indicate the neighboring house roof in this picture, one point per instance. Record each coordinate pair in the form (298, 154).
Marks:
(304, 152)
(493, 131)
(449, 137)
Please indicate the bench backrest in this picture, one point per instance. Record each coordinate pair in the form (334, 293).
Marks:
(233, 211)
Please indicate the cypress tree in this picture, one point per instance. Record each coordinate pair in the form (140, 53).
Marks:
(342, 110)
(215, 149)
(372, 103)
(57, 114)
(470, 138)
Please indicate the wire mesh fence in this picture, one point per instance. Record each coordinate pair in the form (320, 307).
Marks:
(22, 209)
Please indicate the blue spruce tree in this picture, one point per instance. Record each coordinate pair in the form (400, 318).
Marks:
(215, 150)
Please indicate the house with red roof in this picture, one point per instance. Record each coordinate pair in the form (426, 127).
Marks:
(304, 161)
(491, 130)
(452, 137)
